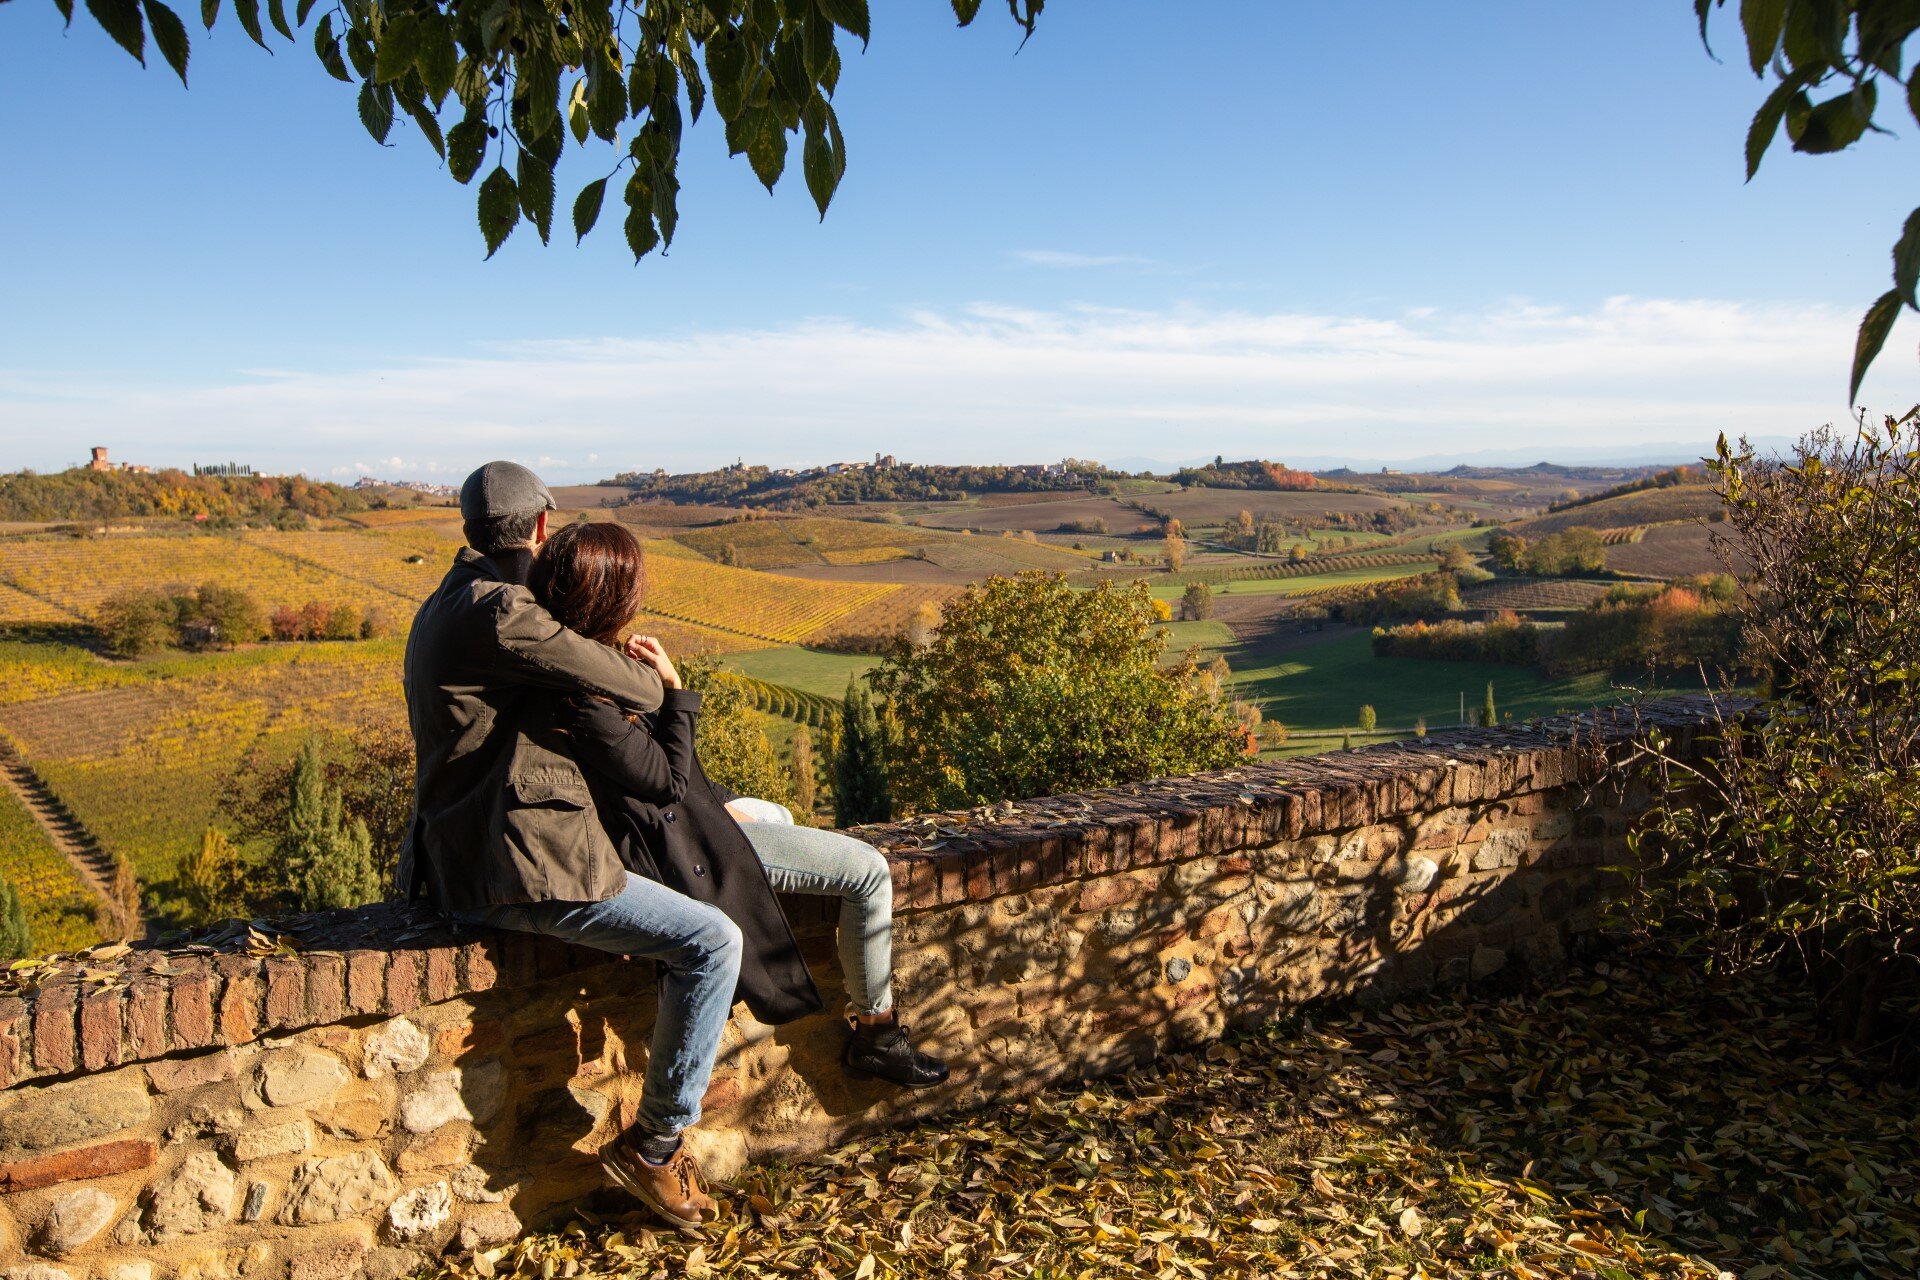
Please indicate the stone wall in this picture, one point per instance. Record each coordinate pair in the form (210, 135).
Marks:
(356, 1092)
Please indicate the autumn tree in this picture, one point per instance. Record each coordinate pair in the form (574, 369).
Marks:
(1032, 687)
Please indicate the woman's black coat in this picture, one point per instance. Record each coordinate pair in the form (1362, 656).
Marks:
(670, 824)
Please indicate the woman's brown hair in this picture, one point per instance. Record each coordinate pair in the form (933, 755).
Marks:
(591, 577)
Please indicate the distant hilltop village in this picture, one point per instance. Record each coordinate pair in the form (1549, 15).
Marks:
(100, 462)
(411, 486)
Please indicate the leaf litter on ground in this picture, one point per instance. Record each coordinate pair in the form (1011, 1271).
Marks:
(1639, 1120)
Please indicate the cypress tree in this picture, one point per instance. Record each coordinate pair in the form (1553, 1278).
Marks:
(805, 786)
(16, 936)
(860, 790)
(321, 860)
(1489, 716)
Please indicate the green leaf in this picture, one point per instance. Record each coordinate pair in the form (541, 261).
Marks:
(1766, 123)
(248, 11)
(499, 208)
(169, 35)
(1913, 93)
(766, 148)
(399, 46)
(209, 10)
(577, 119)
(121, 20)
(967, 10)
(1833, 125)
(467, 145)
(327, 49)
(1906, 261)
(1874, 327)
(640, 84)
(586, 208)
(641, 237)
(277, 11)
(376, 109)
(66, 10)
(439, 58)
(429, 124)
(666, 204)
(1762, 20)
(301, 11)
(536, 192)
(817, 159)
(816, 41)
(849, 15)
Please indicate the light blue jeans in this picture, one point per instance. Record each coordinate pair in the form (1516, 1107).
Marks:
(698, 951)
(811, 860)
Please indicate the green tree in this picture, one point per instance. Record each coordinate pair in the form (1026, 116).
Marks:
(214, 882)
(861, 791)
(16, 935)
(320, 859)
(623, 78)
(1368, 719)
(1489, 715)
(1839, 52)
(138, 621)
(1032, 687)
(803, 769)
(734, 749)
(370, 765)
(221, 615)
(1196, 603)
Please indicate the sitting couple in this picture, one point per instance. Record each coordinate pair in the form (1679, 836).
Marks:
(558, 791)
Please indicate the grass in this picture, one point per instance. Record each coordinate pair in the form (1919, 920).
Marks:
(808, 670)
(1321, 685)
(1637, 1120)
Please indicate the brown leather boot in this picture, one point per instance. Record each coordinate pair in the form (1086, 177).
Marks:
(672, 1190)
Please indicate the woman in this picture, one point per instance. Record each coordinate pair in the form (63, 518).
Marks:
(672, 824)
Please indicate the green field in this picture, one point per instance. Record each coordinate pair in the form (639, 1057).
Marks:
(808, 670)
(1321, 686)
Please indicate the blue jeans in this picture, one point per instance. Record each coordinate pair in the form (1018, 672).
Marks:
(813, 860)
(698, 952)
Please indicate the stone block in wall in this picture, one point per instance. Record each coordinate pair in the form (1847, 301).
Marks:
(355, 1185)
(37, 1118)
(196, 1196)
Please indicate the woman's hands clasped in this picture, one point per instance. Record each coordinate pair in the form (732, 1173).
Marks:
(648, 650)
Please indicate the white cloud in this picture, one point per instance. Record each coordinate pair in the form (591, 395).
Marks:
(1062, 258)
(995, 383)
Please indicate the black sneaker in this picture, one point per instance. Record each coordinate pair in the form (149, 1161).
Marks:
(882, 1050)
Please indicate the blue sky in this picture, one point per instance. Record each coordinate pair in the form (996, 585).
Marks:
(1285, 229)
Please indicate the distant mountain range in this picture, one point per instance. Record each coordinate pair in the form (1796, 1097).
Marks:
(1666, 454)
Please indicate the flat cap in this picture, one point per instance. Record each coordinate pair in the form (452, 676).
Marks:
(502, 489)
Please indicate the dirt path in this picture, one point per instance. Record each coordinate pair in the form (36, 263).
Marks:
(74, 841)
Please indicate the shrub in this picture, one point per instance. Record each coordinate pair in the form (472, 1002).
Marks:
(1504, 638)
(734, 749)
(1031, 687)
(1796, 842)
(138, 621)
(219, 615)
(1369, 719)
(1196, 603)
(214, 884)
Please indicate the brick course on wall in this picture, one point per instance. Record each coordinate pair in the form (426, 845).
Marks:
(354, 1092)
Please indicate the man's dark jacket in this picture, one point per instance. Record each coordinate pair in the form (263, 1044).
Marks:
(501, 813)
(670, 824)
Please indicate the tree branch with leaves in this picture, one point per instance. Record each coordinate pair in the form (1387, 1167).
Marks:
(520, 75)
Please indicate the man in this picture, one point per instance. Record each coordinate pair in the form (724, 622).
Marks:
(504, 831)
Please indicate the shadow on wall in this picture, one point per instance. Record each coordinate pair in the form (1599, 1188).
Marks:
(1168, 938)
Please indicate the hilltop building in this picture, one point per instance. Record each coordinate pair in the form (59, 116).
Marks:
(223, 470)
(99, 463)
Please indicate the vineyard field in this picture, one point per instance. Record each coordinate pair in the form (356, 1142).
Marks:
(140, 759)
(78, 574)
(58, 904)
(763, 605)
(1668, 551)
(1534, 594)
(1647, 506)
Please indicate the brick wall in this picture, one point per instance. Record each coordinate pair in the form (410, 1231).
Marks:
(353, 1092)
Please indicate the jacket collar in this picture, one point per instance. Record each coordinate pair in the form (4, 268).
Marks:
(514, 566)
